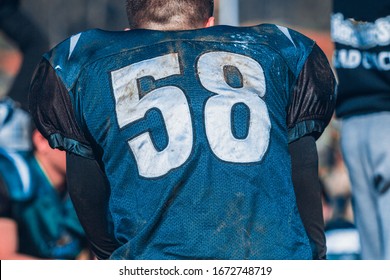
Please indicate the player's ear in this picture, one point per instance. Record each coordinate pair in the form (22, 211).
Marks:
(210, 22)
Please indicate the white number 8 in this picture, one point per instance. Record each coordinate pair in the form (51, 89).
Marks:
(219, 107)
(174, 107)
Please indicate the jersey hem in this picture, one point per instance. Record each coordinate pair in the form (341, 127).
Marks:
(57, 141)
(309, 127)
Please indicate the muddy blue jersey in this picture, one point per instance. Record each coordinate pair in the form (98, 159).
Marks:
(191, 129)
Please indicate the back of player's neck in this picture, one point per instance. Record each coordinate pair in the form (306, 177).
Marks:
(174, 26)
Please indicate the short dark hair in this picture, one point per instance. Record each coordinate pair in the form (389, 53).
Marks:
(189, 13)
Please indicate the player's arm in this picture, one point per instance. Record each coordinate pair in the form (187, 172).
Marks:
(89, 190)
(8, 229)
(310, 111)
(54, 116)
(304, 162)
(9, 241)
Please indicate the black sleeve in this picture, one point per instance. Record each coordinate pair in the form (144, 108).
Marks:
(307, 188)
(5, 203)
(53, 113)
(30, 40)
(89, 191)
(313, 98)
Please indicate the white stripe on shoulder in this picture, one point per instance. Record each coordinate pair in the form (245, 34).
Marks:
(73, 42)
(286, 32)
(23, 171)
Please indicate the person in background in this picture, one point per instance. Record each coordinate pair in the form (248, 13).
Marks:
(37, 218)
(361, 33)
(186, 140)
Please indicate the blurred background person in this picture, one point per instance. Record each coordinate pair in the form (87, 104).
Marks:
(361, 33)
(37, 219)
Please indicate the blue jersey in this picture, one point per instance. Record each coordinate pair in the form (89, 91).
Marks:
(191, 129)
(47, 223)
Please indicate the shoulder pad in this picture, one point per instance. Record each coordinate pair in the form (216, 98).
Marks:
(15, 126)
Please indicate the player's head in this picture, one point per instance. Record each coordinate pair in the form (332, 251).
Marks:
(170, 14)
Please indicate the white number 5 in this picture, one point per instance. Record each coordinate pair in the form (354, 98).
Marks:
(174, 107)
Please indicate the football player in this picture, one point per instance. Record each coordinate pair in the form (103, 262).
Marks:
(186, 140)
(361, 33)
